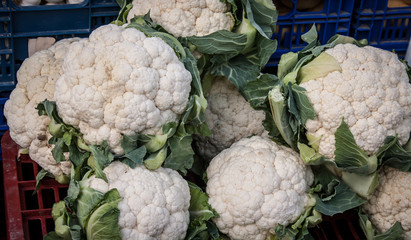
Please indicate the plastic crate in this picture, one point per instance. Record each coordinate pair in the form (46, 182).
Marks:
(333, 17)
(2, 208)
(19, 24)
(384, 27)
(28, 216)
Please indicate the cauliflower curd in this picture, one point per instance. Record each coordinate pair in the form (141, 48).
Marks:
(372, 93)
(229, 117)
(154, 204)
(255, 185)
(121, 82)
(391, 201)
(184, 18)
(37, 77)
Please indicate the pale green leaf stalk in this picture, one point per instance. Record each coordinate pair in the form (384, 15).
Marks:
(319, 67)
(313, 141)
(286, 64)
(58, 213)
(82, 144)
(363, 185)
(280, 115)
(309, 155)
(62, 179)
(22, 151)
(155, 160)
(156, 142)
(55, 129)
(246, 28)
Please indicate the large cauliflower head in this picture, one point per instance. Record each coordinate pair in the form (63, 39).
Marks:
(391, 201)
(372, 93)
(229, 117)
(121, 82)
(255, 185)
(184, 18)
(154, 204)
(36, 81)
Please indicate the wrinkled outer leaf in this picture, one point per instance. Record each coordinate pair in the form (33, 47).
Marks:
(303, 105)
(87, 200)
(335, 196)
(224, 42)
(262, 15)
(238, 70)
(190, 63)
(395, 155)
(101, 158)
(348, 155)
(265, 49)
(181, 155)
(256, 91)
(103, 221)
(286, 64)
(200, 213)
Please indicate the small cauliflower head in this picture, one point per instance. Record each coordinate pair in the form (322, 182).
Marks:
(255, 185)
(120, 82)
(229, 117)
(154, 204)
(184, 18)
(391, 201)
(372, 93)
(36, 81)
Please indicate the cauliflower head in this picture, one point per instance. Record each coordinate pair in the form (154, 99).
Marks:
(121, 82)
(391, 201)
(229, 117)
(154, 204)
(255, 185)
(372, 92)
(184, 18)
(36, 78)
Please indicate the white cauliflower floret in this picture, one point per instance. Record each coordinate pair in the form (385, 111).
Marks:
(36, 80)
(154, 204)
(40, 150)
(391, 201)
(229, 117)
(372, 93)
(186, 18)
(255, 185)
(120, 82)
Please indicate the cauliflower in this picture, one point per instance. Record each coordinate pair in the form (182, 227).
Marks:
(372, 92)
(120, 82)
(391, 202)
(186, 18)
(154, 204)
(342, 104)
(255, 185)
(135, 203)
(229, 118)
(36, 82)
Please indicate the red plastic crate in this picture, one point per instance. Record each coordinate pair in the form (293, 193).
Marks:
(28, 215)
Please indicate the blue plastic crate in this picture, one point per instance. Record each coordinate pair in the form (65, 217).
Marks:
(383, 26)
(19, 24)
(333, 17)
